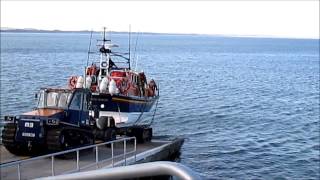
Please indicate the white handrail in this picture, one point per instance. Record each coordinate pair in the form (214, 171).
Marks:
(77, 150)
(151, 169)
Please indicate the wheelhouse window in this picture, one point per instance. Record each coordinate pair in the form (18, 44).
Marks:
(76, 102)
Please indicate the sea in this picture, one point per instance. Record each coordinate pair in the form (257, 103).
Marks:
(247, 106)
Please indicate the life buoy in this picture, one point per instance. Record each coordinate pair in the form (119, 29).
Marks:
(73, 82)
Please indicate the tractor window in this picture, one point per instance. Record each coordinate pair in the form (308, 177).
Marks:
(41, 100)
(63, 100)
(52, 98)
(86, 100)
(69, 97)
(76, 102)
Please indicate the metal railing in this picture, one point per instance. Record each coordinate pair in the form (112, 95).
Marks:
(1, 128)
(77, 150)
(151, 169)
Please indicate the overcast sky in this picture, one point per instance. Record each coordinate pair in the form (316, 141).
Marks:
(299, 19)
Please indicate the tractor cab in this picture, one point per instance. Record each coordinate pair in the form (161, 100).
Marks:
(70, 106)
(51, 104)
(53, 98)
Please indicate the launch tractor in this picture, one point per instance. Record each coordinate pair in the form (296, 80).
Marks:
(64, 119)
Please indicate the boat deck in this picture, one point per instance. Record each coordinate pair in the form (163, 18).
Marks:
(87, 158)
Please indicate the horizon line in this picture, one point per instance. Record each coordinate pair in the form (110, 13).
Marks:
(35, 30)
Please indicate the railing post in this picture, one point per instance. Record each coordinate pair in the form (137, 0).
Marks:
(112, 154)
(97, 157)
(125, 151)
(78, 167)
(19, 173)
(52, 165)
(135, 149)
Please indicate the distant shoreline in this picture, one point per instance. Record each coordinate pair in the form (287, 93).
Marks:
(42, 31)
(48, 31)
(12, 30)
(87, 31)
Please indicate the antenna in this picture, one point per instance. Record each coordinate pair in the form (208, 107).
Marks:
(135, 47)
(129, 46)
(89, 47)
(104, 35)
(136, 64)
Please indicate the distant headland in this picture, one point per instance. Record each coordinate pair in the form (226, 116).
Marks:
(32, 30)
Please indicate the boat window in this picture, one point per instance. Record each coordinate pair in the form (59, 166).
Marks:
(63, 100)
(41, 100)
(52, 98)
(76, 102)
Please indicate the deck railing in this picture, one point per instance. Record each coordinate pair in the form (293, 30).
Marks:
(77, 151)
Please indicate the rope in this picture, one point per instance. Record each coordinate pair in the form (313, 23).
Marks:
(154, 113)
(139, 118)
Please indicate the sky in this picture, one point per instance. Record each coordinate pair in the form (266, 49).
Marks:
(296, 19)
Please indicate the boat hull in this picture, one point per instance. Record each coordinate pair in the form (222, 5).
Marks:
(119, 103)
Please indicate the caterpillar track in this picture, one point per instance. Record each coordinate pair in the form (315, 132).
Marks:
(8, 140)
(59, 139)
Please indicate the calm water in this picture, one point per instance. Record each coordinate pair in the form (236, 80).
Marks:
(248, 106)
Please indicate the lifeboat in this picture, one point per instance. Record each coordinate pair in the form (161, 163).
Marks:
(115, 87)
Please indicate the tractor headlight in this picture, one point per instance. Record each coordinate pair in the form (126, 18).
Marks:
(53, 122)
